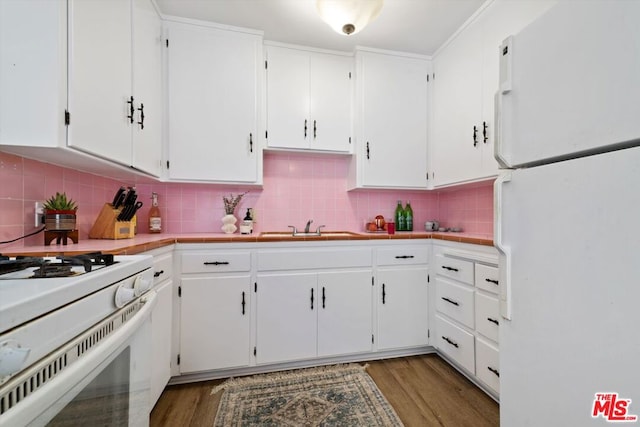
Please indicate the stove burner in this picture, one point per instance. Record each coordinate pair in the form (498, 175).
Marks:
(53, 270)
(87, 260)
(20, 263)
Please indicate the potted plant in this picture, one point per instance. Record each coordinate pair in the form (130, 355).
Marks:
(60, 213)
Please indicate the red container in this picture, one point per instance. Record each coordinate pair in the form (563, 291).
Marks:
(391, 227)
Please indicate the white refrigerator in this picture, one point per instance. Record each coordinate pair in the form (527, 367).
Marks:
(568, 217)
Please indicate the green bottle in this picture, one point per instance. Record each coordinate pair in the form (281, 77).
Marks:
(408, 217)
(400, 220)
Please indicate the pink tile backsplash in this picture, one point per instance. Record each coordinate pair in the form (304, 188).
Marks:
(297, 187)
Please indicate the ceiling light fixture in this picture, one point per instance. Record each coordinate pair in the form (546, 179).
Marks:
(348, 16)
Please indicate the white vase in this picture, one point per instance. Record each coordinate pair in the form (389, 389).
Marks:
(229, 223)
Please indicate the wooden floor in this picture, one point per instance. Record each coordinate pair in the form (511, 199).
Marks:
(424, 391)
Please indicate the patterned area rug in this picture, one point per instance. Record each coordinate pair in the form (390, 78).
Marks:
(339, 395)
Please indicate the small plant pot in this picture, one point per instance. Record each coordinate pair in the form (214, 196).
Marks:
(60, 220)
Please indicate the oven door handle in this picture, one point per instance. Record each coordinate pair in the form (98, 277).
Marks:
(45, 402)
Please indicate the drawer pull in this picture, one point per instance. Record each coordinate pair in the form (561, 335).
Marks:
(384, 294)
(323, 297)
(243, 303)
(495, 371)
(493, 320)
(216, 263)
(450, 301)
(449, 268)
(495, 282)
(158, 273)
(311, 298)
(453, 343)
(404, 256)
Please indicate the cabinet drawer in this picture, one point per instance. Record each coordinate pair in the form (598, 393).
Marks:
(455, 268)
(403, 255)
(487, 278)
(163, 268)
(487, 316)
(300, 259)
(455, 301)
(216, 262)
(487, 364)
(455, 343)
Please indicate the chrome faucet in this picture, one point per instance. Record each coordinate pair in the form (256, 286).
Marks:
(307, 231)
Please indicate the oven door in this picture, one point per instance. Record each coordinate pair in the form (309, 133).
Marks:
(100, 378)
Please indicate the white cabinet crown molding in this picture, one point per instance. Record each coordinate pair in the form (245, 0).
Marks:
(209, 24)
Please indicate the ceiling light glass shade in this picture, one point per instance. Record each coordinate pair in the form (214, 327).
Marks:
(348, 16)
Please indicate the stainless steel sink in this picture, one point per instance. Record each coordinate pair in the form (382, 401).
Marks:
(284, 234)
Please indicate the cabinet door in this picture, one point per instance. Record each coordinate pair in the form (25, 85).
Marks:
(402, 308)
(392, 106)
(286, 317)
(213, 98)
(464, 88)
(100, 78)
(161, 321)
(214, 323)
(456, 153)
(147, 88)
(288, 121)
(33, 73)
(330, 102)
(344, 312)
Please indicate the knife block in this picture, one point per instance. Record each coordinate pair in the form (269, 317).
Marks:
(107, 226)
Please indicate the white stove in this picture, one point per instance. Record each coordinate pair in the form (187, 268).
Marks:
(65, 340)
(24, 297)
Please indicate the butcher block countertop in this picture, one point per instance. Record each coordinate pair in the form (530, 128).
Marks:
(145, 242)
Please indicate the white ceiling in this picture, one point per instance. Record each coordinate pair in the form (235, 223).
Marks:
(418, 26)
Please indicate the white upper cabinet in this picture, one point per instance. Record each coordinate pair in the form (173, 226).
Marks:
(69, 73)
(33, 73)
(115, 74)
(147, 87)
(308, 99)
(391, 121)
(466, 80)
(100, 94)
(213, 99)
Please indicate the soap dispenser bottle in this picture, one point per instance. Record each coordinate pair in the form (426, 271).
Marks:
(246, 227)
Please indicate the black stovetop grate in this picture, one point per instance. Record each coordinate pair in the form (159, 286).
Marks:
(61, 267)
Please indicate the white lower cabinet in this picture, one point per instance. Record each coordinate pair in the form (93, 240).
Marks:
(467, 310)
(215, 310)
(488, 364)
(286, 317)
(161, 322)
(214, 323)
(456, 343)
(487, 316)
(402, 308)
(402, 295)
(218, 306)
(249, 307)
(344, 312)
(455, 301)
(308, 315)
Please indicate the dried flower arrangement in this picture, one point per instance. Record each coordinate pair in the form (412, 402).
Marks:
(231, 202)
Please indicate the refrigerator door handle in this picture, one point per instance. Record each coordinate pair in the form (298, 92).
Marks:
(498, 151)
(503, 248)
(500, 120)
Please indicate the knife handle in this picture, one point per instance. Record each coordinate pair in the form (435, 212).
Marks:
(116, 198)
